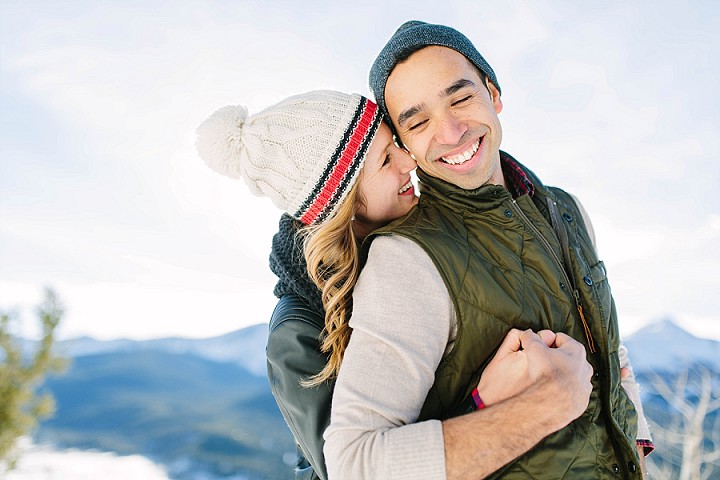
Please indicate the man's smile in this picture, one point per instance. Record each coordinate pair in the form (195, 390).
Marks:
(463, 156)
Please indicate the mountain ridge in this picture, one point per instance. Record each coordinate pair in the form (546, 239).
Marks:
(665, 346)
(244, 347)
(199, 417)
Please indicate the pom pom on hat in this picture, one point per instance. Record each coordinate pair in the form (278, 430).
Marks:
(219, 140)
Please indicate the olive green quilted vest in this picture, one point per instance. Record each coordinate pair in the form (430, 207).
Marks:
(505, 267)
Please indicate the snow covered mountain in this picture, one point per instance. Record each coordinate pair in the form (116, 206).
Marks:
(665, 347)
(244, 347)
(198, 408)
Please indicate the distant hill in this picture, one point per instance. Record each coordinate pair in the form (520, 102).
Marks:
(664, 346)
(188, 404)
(245, 347)
(675, 370)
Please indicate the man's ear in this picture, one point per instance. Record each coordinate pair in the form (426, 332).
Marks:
(494, 95)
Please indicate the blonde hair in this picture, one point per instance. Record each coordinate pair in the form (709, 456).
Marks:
(332, 254)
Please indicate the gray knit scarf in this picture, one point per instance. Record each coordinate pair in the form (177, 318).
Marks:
(287, 261)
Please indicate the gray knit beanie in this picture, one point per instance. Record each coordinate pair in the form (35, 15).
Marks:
(305, 153)
(412, 36)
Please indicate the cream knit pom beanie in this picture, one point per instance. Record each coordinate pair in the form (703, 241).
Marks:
(305, 153)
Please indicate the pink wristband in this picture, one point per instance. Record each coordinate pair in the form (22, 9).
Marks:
(478, 401)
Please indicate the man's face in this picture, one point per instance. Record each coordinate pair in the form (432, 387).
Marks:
(446, 117)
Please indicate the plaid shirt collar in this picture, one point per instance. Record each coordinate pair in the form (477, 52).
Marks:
(518, 183)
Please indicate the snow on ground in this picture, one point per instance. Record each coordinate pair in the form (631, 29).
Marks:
(42, 462)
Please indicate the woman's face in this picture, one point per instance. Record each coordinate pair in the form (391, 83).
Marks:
(385, 192)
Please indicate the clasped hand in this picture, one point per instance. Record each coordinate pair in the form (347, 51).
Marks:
(552, 364)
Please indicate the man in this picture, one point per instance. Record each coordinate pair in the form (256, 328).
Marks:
(489, 251)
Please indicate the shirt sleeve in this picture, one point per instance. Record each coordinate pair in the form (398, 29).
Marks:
(401, 322)
(586, 219)
(632, 388)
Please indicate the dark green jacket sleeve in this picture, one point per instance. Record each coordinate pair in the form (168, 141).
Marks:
(293, 355)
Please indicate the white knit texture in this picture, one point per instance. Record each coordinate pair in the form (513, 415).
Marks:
(219, 140)
(282, 151)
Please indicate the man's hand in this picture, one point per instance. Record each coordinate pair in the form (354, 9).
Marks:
(547, 378)
(544, 360)
(507, 373)
(561, 372)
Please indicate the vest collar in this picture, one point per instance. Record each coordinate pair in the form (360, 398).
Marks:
(486, 197)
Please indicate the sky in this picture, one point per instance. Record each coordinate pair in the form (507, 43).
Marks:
(104, 198)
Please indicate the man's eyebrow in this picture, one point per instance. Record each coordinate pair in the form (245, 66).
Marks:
(459, 85)
(407, 114)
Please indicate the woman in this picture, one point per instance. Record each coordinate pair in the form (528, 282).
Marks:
(328, 160)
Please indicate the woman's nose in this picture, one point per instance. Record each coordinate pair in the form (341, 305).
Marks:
(405, 162)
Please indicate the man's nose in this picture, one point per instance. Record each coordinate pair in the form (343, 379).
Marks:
(450, 130)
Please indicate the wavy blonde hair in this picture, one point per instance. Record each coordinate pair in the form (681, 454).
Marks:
(332, 254)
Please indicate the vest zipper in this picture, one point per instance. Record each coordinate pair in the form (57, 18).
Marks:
(559, 264)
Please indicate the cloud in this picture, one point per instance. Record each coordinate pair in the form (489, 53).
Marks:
(103, 194)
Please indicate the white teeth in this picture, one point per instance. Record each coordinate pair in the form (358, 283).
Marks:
(405, 187)
(464, 156)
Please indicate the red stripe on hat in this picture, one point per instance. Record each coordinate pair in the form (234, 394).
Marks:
(342, 166)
